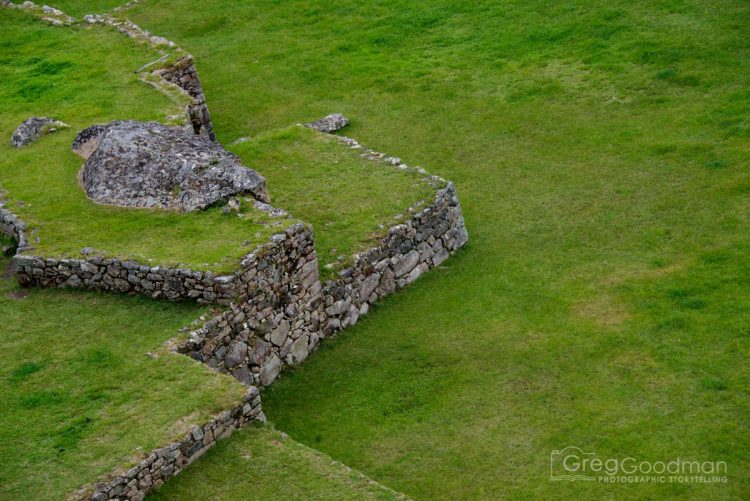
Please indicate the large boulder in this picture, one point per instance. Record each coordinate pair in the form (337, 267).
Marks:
(34, 128)
(138, 164)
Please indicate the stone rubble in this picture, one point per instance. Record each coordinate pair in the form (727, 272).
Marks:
(34, 128)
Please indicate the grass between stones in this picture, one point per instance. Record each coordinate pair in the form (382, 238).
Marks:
(81, 397)
(261, 463)
(601, 154)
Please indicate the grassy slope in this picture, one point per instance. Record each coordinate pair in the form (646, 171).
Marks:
(259, 463)
(79, 394)
(80, 86)
(600, 150)
(345, 197)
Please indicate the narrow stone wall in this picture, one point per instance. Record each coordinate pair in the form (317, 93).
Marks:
(408, 251)
(12, 227)
(127, 277)
(184, 74)
(168, 461)
(279, 319)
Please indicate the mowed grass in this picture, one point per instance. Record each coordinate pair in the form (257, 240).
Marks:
(68, 74)
(350, 201)
(601, 151)
(261, 463)
(80, 395)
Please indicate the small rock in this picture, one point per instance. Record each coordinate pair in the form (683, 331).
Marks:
(329, 124)
(34, 128)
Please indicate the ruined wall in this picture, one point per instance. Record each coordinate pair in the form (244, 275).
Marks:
(168, 461)
(127, 277)
(408, 251)
(184, 74)
(12, 227)
(285, 311)
(279, 319)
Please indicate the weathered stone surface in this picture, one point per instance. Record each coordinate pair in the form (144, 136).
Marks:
(87, 140)
(270, 370)
(299, 350)
(140, 164)
(34, 128)
(329, 124)
(236, 354)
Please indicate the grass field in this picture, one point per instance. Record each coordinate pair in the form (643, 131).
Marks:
(81, 397)
(600, 150)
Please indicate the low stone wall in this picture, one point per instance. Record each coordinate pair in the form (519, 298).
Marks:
(408, 251)
(279, 319)
(184, 74)
(168, 461)
(181, 73)
(12, 227)
(127, 277)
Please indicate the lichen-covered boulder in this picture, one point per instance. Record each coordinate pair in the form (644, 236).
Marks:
(329, 124)
(137, 164)
(87, 141)
(34, 128)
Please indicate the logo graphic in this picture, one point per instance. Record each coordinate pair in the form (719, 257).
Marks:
(574, 464)
(569, 464)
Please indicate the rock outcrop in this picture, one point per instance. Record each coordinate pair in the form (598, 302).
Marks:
(34, 128)
(330, 124)
(138, 164)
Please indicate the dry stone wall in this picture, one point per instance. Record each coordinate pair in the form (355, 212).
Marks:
(168, 461)
(278, 320)
(285, 311)
(12, 227)
(408, 251)
(128, 277)
(184, 74)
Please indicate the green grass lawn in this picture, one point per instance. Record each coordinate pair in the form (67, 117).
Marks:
(80, 395)
(260, 463)
(601, 154)
(346, 198)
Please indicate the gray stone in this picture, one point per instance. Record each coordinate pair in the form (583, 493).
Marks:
(406, 263)
(235, 354)
(299, 350)
(270, 370)
(260, 352)
(368, 286)
(140, 164)
(87, 140)
(278, 336)
(34, 128)
(329, 124)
